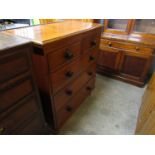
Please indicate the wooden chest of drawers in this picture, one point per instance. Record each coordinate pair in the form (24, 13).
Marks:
(65, 65)
(125, 60)
(19, 100)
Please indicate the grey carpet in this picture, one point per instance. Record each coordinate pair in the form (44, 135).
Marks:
(111, 109)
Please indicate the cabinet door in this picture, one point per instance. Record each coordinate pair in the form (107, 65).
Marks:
(135, 65)
(146, 121)
(109, 58)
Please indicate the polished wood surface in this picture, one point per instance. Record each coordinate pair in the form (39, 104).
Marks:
(42, 34)
(19, 97)
(146, 118)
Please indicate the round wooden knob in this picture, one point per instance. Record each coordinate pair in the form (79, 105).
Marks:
(90, 73)
(69, 74)
(68, 55)
(91, 58)
(69, 108)
(69, 92)
(88, 88)
(93, 43)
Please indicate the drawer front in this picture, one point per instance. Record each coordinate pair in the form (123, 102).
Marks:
(89, 59)
(14, 92)
(35, 126)
(72, 88)
(16, 117)
(125, 46)
(64, 55)
(70, 107)
(65, 75)
(91, 41)
(13, 65)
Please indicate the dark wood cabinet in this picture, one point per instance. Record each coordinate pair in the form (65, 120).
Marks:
(19, 101)
(65, 66)
(125, 52)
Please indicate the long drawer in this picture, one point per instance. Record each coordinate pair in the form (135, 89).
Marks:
(64, 55)
(15, 91)
(15, 64)
(72, 88)
(125, 46)
(72, 105)
(19, 115)
(65, 75)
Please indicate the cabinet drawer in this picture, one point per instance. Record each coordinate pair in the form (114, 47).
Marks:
(14, 92)
(91, 41)
(65, 74)
(89, 58)
(24, 111)
(64, 55)
(71, 106)
(35, 126)
(72, 88)
(125, 46)
(13, 65)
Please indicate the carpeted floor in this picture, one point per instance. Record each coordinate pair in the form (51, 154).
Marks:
(111, 109)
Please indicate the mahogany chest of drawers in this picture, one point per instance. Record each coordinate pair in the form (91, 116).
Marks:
(64, 57)
(20, 109)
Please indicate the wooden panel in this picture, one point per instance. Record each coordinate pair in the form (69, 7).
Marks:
(70, 107)
(72, 88)
(65, 74)
(110, 58)
(147, 106)
(64, 55)
(13, 65)
(135, 65)
(14, 92)
(18, 115)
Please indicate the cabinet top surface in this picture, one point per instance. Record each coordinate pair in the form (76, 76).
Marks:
(8, 41)
(42, 34)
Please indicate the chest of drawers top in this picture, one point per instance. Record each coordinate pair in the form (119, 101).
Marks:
(9, 41)
(43, 34)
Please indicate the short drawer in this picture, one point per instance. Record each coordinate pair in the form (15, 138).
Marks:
(89, 59)
(65, 75)
(18, 116)
(14, 92)
(125, 46)
(72, 105)
(13, 65)
(91, 41)
(72, 88)
(64, 55)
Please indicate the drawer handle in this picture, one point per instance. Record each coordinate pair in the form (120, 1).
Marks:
(2, 129)
(69, 92)
(69, 108)
(90, 73)
(68, 55)
(137, 48)
(110, 44)
(88, 88)
(91, 58)
(93, 43)
(69, 74)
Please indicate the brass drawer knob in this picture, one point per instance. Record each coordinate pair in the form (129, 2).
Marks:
(68, 55)
(1, 129)
(137, 48)
(110, 44)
